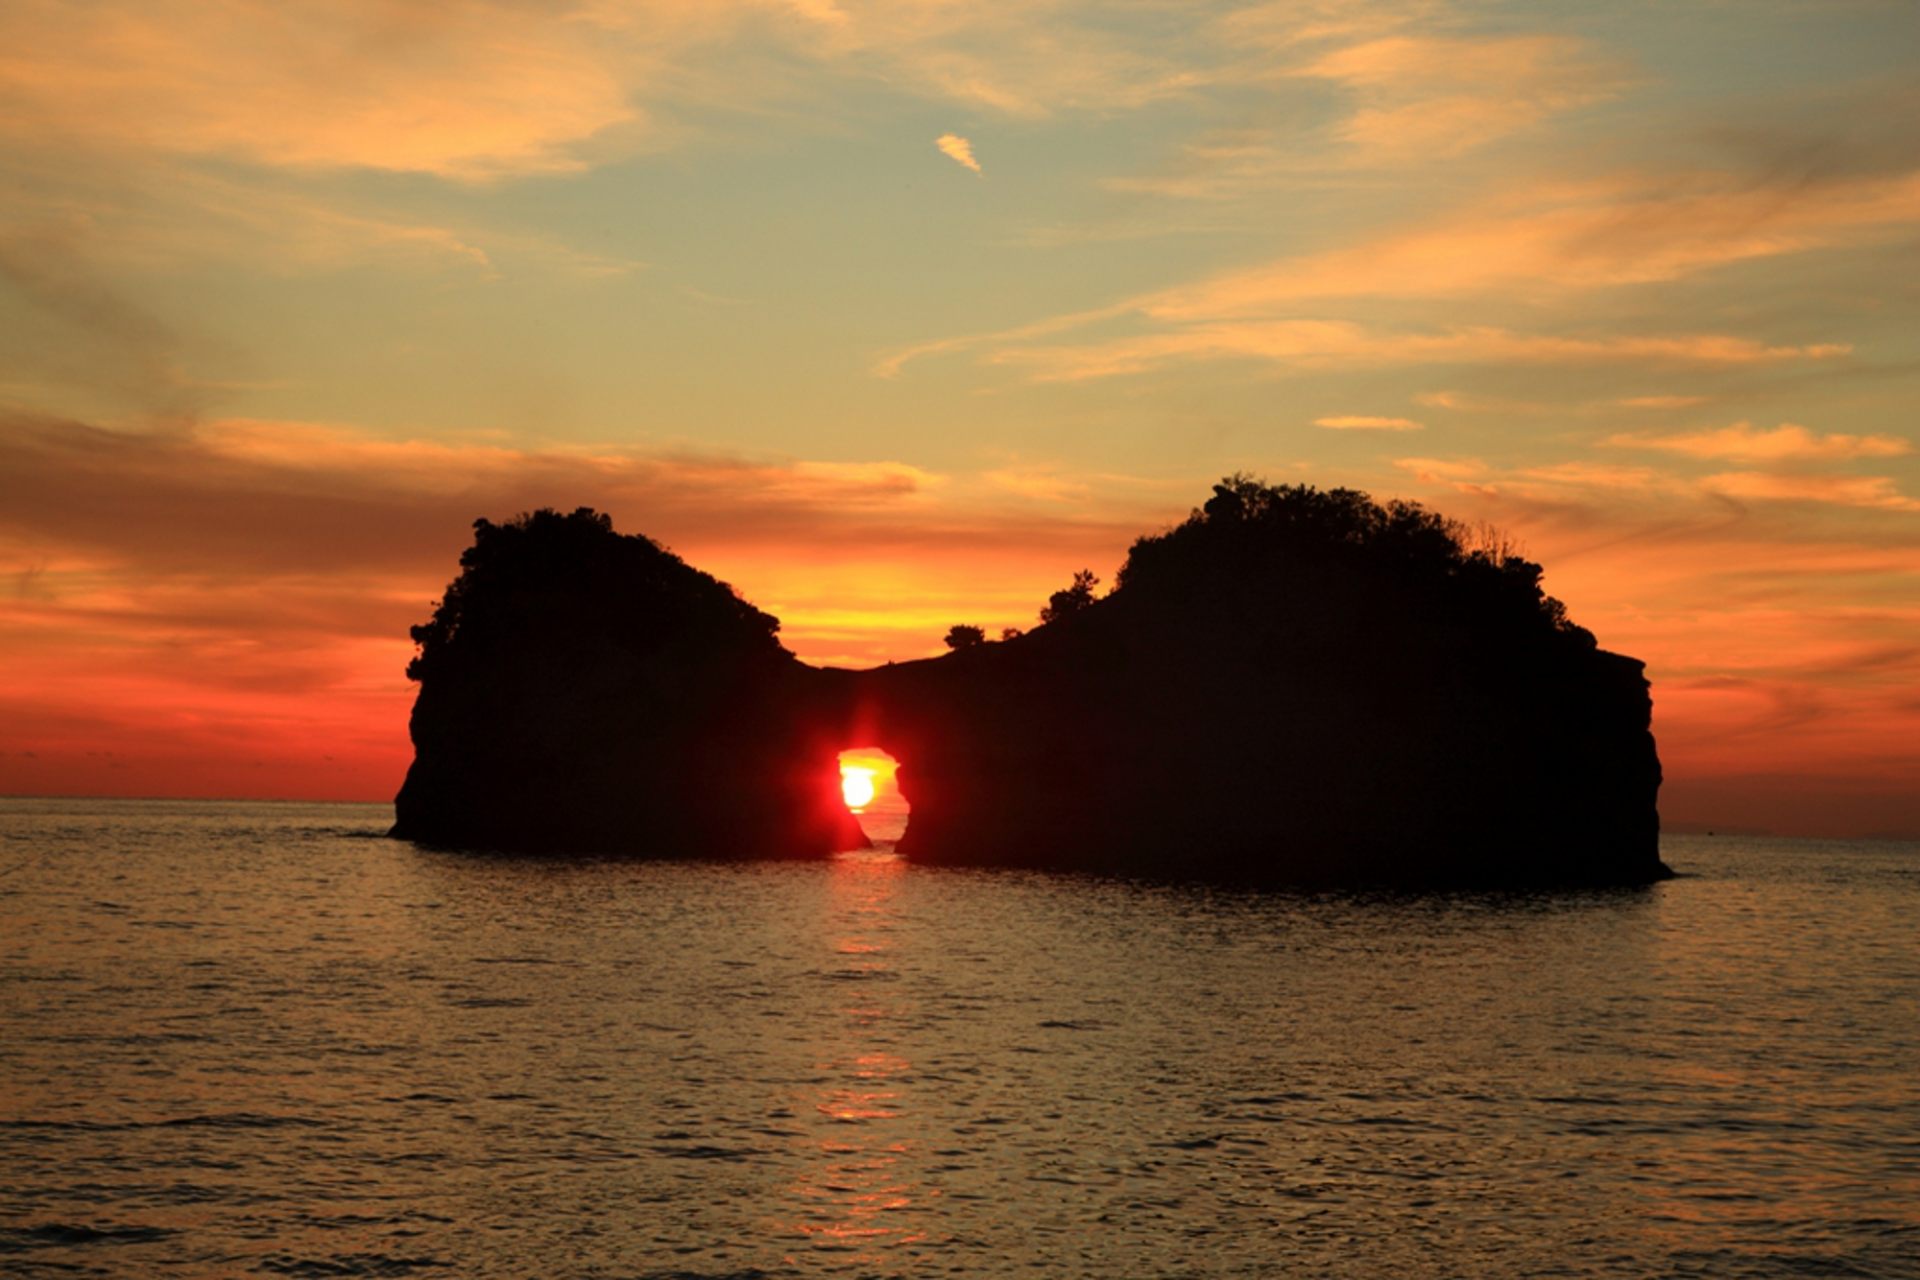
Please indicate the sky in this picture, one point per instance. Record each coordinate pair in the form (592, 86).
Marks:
(893, 315)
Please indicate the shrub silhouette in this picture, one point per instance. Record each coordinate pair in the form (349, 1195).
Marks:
(548, 582)
(1073, 599)
(962, 636)
(1262, 543)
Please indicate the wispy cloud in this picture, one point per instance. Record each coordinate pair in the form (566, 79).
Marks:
(1603, 234)
(1581, 480)
(1660, 402)
(1788, 442)
(1361, 422)
(1546, 242)
(1471, 402)
(467, 91)
(250, 595)
(1441, 96)
(1465, 402)
(1847, 491)
(1548, 482)
(236, 496)
(1030, 61)
(1321, 344)
(1409, 86)
(1282, 26)
(480, 91)
(958, 149)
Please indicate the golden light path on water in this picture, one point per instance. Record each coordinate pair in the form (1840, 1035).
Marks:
(859, 1194)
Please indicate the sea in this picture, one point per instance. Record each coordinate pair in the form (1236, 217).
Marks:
(244, 1039)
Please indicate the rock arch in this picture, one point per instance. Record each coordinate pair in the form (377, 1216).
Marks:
(1293, 686)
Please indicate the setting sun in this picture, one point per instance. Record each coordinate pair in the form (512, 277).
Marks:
(856, 784)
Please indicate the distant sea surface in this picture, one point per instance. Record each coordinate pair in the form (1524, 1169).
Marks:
(248, 1039)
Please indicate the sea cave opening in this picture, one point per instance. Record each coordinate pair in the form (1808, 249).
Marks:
(870, 786)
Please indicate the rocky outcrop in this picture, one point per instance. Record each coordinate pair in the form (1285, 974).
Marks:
(1291, 686)
(581, 690)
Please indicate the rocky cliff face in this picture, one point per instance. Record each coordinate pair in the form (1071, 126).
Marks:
(1292, 686)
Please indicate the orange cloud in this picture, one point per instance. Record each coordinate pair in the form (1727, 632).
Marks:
(1284, 25)
(1040, 483)
(1031, 60)
(237, 625)
(1431, 96)
(958, 149)
(1785, 443)
(1576, 480)
(1333, 343)
(1548, 482)
(466, 90)
(1410, 96)
(1660, 402)
(481, 89)
(1465, 402)
(1543, 240)
(1603, 234)
(1845, 491)
(1356, 422)
(326, 498)
(1462, 402)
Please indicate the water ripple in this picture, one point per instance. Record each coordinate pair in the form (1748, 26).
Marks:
(251, 1040)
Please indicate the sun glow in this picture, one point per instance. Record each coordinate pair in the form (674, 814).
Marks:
(870, 788)
(856, 785)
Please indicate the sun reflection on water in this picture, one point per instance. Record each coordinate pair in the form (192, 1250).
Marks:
(859, 1192)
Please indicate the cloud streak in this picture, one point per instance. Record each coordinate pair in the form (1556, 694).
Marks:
(1582, 480)
(1328, 344)
(1603, 233)
(1877, 492)
(1788, 442)
(1547, 242)
(1431, 96)
(1361, 422)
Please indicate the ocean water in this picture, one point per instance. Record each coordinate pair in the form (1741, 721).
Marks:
(261, 1040)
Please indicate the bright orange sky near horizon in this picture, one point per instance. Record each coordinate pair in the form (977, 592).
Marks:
(894, 315)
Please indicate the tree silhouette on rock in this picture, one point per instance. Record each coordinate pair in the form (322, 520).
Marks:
(581, 688)
(1071, 600)
(962, 636)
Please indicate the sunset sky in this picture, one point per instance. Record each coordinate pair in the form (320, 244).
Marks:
(895, 314)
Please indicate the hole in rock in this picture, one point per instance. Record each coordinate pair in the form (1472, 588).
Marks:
(869, 782)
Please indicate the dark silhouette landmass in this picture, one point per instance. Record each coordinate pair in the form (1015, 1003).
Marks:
(1292, 686)
(581, 690)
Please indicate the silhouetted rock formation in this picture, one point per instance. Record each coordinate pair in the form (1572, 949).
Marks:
(581, 690)
(1291, 686)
